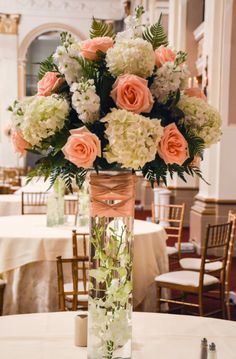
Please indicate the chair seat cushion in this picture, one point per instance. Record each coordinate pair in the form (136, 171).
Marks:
(195, 264)
(68, 287)
(171, 250)
(186, 278)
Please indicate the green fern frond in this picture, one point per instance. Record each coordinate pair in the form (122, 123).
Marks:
(101, 29)
(46, 66)
(89, 71)
(155, 34)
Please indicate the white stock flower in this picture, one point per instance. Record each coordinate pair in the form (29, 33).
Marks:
(131, 56)
(42, 117)
(65, 57)
(201, 119)
(133, 28)
(168, 79)
(132, 138)
(85, 101)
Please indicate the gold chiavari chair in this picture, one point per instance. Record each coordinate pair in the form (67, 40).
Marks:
(33, 202)
(195, 263)
(2, 288)
(199, 283)
(72, 295)
(71, 206)
(80, 243)
(172, 216)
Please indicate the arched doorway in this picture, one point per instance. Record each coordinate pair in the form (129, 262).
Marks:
(28, 40)
(36, 46)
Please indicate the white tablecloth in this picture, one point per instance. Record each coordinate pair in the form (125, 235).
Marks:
(162, 336)
(10, 204)
(27, 258)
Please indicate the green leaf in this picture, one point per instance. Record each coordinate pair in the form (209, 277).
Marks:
(180, 58)
(139, 11)
(155, 34)
(47, 66)
(101, 29)
(88, 68)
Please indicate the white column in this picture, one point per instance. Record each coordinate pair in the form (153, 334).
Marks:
(213, 201)
(177, 24)
(217, 167)
(8, 93)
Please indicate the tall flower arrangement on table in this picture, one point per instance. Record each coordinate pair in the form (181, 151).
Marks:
(114, 102)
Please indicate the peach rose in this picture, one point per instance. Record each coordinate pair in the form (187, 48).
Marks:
(49, 83)
(195, 92)
(91, 46)
(131, 93)
(173, 148)
(19, 143)
(82, 147)
(164, 54)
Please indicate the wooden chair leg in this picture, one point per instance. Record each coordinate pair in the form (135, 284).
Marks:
(200, 302)
(222, 300)
(158, 299)
(228, 310)
(184, 299)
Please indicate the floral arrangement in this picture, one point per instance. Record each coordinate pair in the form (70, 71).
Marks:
(113, 102)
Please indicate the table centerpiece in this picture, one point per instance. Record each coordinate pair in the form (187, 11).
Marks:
(108, 106)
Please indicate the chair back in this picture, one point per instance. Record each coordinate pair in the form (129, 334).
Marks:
(80, 243)
(80, 247)
(33, 202)
(231, 218)
(72, 299)
(217, 241)
(171, 216)
(71, 206)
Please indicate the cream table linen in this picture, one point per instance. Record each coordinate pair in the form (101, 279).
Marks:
(155, 336)
(27, 258)
(10, 204)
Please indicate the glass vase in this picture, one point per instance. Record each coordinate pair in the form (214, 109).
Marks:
(55, 204)
(112, 198)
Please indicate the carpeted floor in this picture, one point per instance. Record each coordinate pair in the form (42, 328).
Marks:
(209, 304)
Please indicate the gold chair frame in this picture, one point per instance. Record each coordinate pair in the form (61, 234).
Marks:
(71, 297)
(174, 214)
(33, 199)
(217, 238)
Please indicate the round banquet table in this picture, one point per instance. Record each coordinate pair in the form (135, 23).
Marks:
(162, 336)
(28, 250)
(10, 204)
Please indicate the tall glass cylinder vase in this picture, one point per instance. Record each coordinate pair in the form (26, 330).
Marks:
(55, 204)
(112, 199)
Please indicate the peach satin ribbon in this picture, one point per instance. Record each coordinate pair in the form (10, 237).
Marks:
(112, 195)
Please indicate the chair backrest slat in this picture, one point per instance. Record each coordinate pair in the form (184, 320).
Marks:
(72, 295)
(217, 237)
(35, 202)
(173, 216)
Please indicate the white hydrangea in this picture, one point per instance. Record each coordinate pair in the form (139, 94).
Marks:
(131, 56)
(85, 101)
(18, 110)
(169, 78)
(132, 138)
(65, 57)
(41, 117)
(201, 119)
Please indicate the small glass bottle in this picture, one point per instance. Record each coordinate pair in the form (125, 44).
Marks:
(204, 348)
(212, 351)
